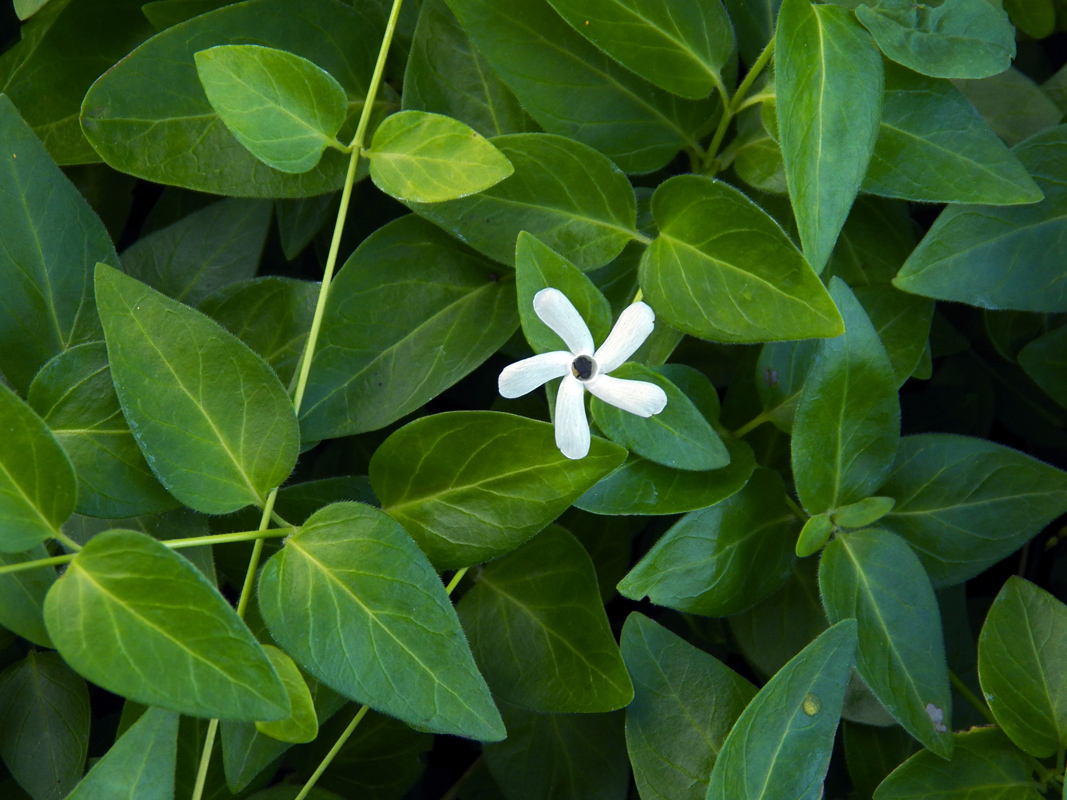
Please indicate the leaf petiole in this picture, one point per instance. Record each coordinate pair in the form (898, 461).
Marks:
(731, 108)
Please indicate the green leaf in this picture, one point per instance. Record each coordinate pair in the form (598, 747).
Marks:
(1012, 105)
(177, 138)
(210, 416)
(753, 22)
(972, 253)
(410, 313)
(446, 74)
(270, 314)
(872, 753)
(956, 39)
(418, 157)
(875, 578)
(828, 78)
(678, 437)
(75, 397)
(848, 418)
(963, 504)
(139, 766)
(24, 9)
(863, 513)
(139, 620)
(301, 218)
(1021, 664)
(877, 239)
(44, 725)
(1035, 18)
(285, 109)
(780, 374)
(538, 630)
(902, 322)
(780, 746)
(1045, 361)
(722, 269)
(472, 485)
(375, 622)
(685, 703)
(723, 559)
(679, 46)
(814, 535)
(22, 595)
(208, 249)
(566, 194)
(302, 725)
(757, 158)
(52, 239)
(37, 483)
(643, 487)
(984, 764)
(573, 89)
(934, 147)
(550, 756)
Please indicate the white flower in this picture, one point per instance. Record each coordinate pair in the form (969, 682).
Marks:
(583, 369)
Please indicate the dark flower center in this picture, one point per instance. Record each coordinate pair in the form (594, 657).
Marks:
(583, 367)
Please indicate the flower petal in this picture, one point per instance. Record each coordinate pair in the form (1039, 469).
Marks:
(558, 313)
(572, 428)
(634, 325)
(637, 397)
(524, 376)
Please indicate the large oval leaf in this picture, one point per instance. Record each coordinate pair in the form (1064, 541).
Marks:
(375, 623)
(472, 485)
(722, 269)
(212, 419)
(141, 621)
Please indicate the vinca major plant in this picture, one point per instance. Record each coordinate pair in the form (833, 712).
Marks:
(533, 399)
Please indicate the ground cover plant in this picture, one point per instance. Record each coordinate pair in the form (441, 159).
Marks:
(285, 511)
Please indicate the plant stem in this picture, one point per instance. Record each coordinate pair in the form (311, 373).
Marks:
(330, 756)
(474, 767)
(970, 697)
(731, 109)
(751, 425)
(452, 584)
(800, 513)
(66, 541)
(205, 759)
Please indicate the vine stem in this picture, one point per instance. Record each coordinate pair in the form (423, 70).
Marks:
(730, 110)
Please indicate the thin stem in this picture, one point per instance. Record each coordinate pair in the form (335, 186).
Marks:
(751, 425)
(971, 697)
(66, 541)
(376, 78)
(205, 759)
(336, 145)
(757, 67)
(730, 109)
(53, 561)
(755, 100)
(800, 513)
(452, 584)
(280, 521)
(474, 767)
(330, 756)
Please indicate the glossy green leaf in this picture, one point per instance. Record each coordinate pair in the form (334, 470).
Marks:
(722, 269)
(973, 253)
(52, 240)
(374, 622)
(685, 702)
(549, 756)
(863, 513)
(285, 109)
(139, 766)
(644, 487)
(419, 157)
(679, 46)
(302, 725)
(566, 194)
(1012, 105)
(410, 313)
(722, 559)
(848, 418)
(934, 147)
(538, 630)
(814, 535)
(573, 89)
(780, 746)
(75, 397)
(828, 78)
(963, 504)
(1045, 361)
(37, 483)
(139, 620)
(874, 577)
(446, 74)
(780, 374)
(22, 595)
(1022, 665)
(210, 248)
(271, 314)
(902, 322)
(984, 764)
(678, 437)
(956, 39)
(177, 138)
(1035, 18)
(472, 485)
(177, 375)
(44, 725)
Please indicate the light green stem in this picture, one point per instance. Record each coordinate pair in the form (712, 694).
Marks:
(799, 512)
(751, 425)
(66, 541)
(452, 584)
(730, 110)
(205, 759)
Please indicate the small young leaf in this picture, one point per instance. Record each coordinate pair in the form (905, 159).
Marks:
(863, 513)
(685, 702)
(472, 485)
(210, 416)
(22, 595)
(419, 157)
(375, 622)
(538, 630)
(814, 535)
(1022, 665)
(139, 620)
(139, 766)
(301, 725)
(784, 737)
